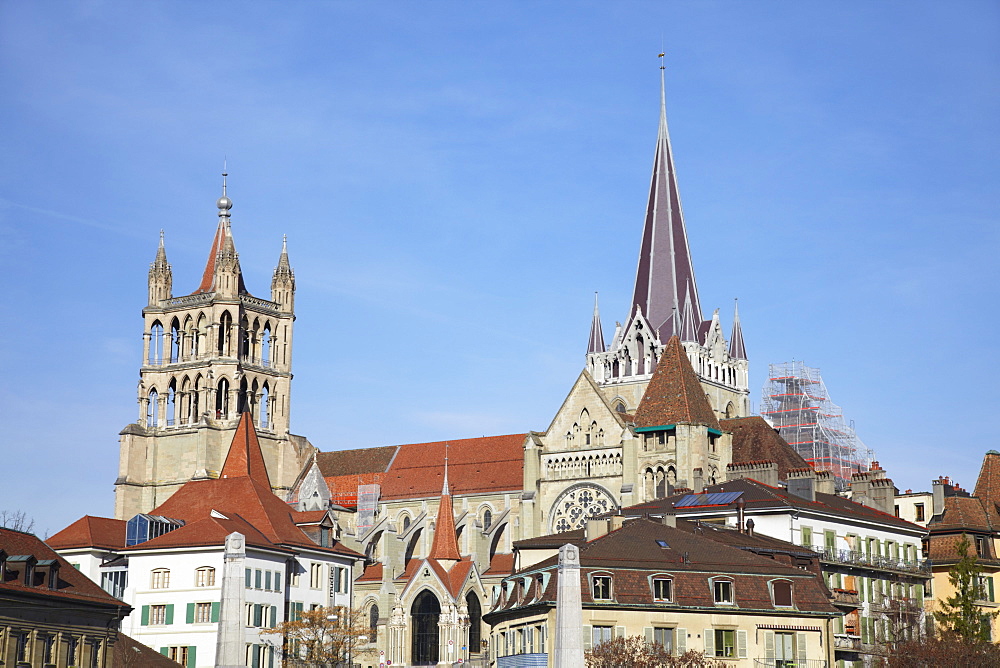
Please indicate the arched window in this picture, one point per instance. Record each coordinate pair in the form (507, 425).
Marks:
(661, 484)
(152, 409)
(373, 623)
(204, 577)
(244, 338)
(196, 401)
(424, 617)
(475, 621)
(172, 403)
(175, 341)
(641, 354)
(241, 398)
(155, 343)
(487, 519)
(265, 346)
(222, 399)
(406, 522)
(225, 328)
(262, 410)
(160, 579)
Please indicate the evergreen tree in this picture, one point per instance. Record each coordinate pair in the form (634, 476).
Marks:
(959, 613)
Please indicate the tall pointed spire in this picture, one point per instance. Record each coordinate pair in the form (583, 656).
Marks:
(736, 348)
(596, 342)
(665, 265)
(283, 280)
(160, 276)
(223, 248)
(245, 459)
(445, 544)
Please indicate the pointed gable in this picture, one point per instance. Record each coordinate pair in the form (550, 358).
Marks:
(674, 394)
(245, 459)
(208, 277)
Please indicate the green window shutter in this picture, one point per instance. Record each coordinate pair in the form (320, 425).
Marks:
(190, 613)
(277, 581)
(741, 644)
(215, 611)
(145, 615)
(769, 645)
(267, 580)
(255, 657)
(920, 595)
(648, 632)
(164, 650)
(257, 614)
(274, 616)
(192, 656)
(248, 578)
(709, 642)
(830, 540)
(170, 614)
(270, 657)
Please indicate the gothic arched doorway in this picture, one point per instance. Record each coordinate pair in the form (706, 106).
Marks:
(425, 614)
(475, 622)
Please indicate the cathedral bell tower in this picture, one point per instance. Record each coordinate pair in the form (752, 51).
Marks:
(207, 357)
(665, 303)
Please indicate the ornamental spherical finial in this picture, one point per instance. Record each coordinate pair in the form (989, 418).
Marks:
(224, 204)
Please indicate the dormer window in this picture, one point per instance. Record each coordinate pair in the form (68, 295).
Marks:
(781, 593)
(663, 590)
(600, 587)
(723, 591)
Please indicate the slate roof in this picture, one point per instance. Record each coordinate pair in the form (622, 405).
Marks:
(758, 496)
(88, 531)
(72, 584)
(755, 440)
(674, 394)
(416, 470)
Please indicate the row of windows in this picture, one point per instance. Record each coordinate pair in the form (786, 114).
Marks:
(263, 580)
(163, 614)
(889, 549)
(261, 616)
(602, 589)
(76, 652)
(160, 578)
(186, 655)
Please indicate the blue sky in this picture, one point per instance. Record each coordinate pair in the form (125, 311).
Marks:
(457, 179)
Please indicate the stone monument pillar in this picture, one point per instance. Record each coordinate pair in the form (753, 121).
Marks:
(231, 645)
(569, 610)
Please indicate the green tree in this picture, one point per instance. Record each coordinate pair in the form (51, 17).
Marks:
(959, 613)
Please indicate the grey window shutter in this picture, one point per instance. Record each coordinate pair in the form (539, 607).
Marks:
(588, 638)
(800, 641)
(741, 644)
(620, 631)
(648, 632)
(682, 641)
(709, 642)
(769, 645)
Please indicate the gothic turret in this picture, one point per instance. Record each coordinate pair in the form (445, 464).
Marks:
(596, 342)
(283, 281)
(736, 348)
(160, 276)
(444, 548)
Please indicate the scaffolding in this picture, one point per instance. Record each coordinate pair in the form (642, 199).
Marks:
(798, 405)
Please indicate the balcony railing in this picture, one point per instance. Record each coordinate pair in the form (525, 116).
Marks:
(787, 663)
(847, 642)
(184, 359)
(873, 560)
(846, 597)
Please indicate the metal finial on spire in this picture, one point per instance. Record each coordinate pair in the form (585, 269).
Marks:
(445, 491)
(224, 203)
(161, 238)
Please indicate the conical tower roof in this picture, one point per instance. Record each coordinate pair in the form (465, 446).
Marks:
(245, 459)
(596, 342)
(665, 266)
(674, 394)
(736, 348)
(445, 544)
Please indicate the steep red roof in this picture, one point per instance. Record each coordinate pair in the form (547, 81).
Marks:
(988, 483)
(89, 531)
(454, 578)
(245, 457)
(208, 277)
(445, 543)
(72, 584)
(674, 394)
(755, 440)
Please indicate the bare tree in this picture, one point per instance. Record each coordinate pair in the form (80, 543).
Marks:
(324, 637)
(635, 652)
(17, 520)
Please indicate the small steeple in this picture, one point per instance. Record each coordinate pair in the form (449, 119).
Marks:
(665, 265)
(245, 459)
(689, 325)
(222, 270)
(736, 348)
(283, 281)
(596, 342)
(444, 548)
(160, 276)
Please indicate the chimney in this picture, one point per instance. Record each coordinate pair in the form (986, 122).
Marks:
(595, 529)
(741, 507)
(670, 520)
(750, 526)
(938, 487)
(699, 481)
(825, 483)
(860, 483)
(763, 471)
(882, 495)
(802, 483)
(616, 522)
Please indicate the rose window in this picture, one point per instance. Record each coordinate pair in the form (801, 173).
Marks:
(572, 509)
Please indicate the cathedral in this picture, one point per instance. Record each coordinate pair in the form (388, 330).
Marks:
(653, 411)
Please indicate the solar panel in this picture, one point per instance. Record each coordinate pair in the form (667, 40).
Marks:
(714, 499)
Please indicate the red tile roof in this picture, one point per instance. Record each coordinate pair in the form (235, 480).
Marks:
(245, 457)
(445, 543)
(89, 531)
(455, 577)
(755, 440)
(674, 394)
(72, 583)
(988, 483)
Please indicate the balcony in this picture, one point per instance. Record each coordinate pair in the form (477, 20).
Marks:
(787, 663)
(846, 598)
(875, 561)
(844, 642)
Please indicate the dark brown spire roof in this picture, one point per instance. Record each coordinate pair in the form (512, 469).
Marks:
(596, 342)
(665, 269)
(736, 348)
(674, 394)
